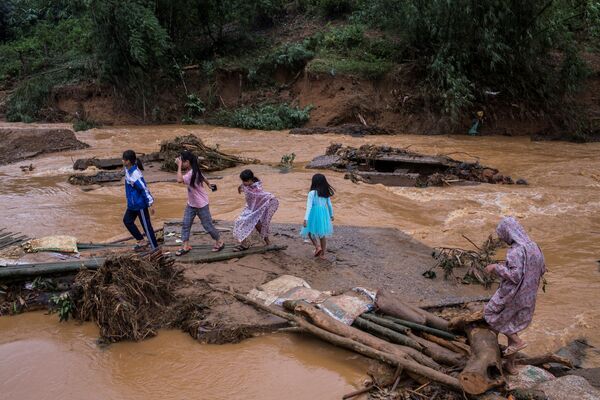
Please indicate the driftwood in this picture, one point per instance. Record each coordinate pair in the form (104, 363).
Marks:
(438, 353)
(484, 368)
(391, 304)
(388, 303)
(387, 333)
(423, 328)
(453, 345)
(332, 325)
(461, 322)
(408, 364)
(548, 358)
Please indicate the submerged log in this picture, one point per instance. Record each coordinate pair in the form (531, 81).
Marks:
(324, 321)
(406, 363)
(484, 368)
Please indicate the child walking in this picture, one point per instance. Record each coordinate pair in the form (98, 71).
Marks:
(259, 210)
(139, 202)
(319, 214)
(197, 204)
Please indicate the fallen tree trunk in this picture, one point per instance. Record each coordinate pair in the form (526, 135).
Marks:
(438, 353)
(387, 333)
(324, 321)
(407, 364)
(460, 323)
(484, 368)
(390, 304)
(422, 328)
(453, 345)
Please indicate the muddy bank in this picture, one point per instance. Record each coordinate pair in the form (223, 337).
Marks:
(18, 144)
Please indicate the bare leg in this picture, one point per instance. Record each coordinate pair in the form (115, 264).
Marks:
(315, 243)
(186, 245)
(323, 247)
(510, 365)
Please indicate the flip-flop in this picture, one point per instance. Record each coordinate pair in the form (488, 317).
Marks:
(510, 350)
(182, 252)
(239, 248)
(216, 249)
(317, 252)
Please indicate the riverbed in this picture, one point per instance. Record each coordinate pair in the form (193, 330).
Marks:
(559, 208)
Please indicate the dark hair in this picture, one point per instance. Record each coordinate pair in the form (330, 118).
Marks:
(197, 175)
(320, 184)
(248, 175)
(130, 156)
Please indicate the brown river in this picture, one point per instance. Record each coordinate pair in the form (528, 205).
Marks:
(43, 359)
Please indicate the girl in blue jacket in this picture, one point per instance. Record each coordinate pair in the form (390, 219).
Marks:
(139, 201)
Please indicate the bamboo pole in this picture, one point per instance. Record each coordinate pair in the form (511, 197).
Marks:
(389, 334)
(386, 322)
(422, 328)
(408, 365)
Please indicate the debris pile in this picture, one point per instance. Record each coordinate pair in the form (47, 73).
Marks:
(211, 159)
(463, 356)
(128, 297)
(472, 262)
(400, 167)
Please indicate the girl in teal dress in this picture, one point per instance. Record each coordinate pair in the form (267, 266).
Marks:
(319, 214)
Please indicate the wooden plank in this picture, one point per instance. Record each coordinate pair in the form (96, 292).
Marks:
(199, 256)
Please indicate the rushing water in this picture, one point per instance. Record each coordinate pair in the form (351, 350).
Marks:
(560, 208)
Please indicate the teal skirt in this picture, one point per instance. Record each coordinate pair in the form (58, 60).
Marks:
(318, 223)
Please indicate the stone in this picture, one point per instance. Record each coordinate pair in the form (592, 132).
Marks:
(569, 387)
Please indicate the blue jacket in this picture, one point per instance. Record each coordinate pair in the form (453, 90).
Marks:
(136, 190)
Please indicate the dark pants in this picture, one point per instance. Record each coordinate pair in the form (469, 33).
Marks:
(144, 216)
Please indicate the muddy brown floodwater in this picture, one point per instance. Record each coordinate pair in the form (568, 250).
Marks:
(560, 208)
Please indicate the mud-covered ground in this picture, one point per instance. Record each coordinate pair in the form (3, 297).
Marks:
(358, 256)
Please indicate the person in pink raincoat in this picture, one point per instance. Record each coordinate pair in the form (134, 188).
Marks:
(511, 308)
(259, 210)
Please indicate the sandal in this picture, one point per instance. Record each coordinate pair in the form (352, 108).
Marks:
(141, 247)
(182, 252)
(239, 248)
(317, 252)
(216, 249)
(510, 350)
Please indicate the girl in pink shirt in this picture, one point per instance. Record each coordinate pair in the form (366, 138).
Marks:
(197, 201)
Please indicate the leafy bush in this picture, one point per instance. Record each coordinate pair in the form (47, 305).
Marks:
(332, 8)
(28, 99)
(265, 117)
(468, 47)
(63, 305)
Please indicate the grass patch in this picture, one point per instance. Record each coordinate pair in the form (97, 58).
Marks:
(348, 66)
(266, 117)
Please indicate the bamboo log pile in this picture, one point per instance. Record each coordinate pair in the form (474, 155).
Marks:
(466, 361)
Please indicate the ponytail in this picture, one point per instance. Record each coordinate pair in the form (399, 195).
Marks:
(248, 175)
(130, 156)
(197, 175)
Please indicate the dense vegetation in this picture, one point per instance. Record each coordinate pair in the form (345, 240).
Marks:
(530, 50)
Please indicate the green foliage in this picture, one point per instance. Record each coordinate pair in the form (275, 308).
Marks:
(63, 305)
(26, 102)
(332, 8)
(265, 117)
(468, 47)
(84, 125)
(194, 105)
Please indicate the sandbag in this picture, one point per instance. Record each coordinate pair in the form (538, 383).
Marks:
(57, 243)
